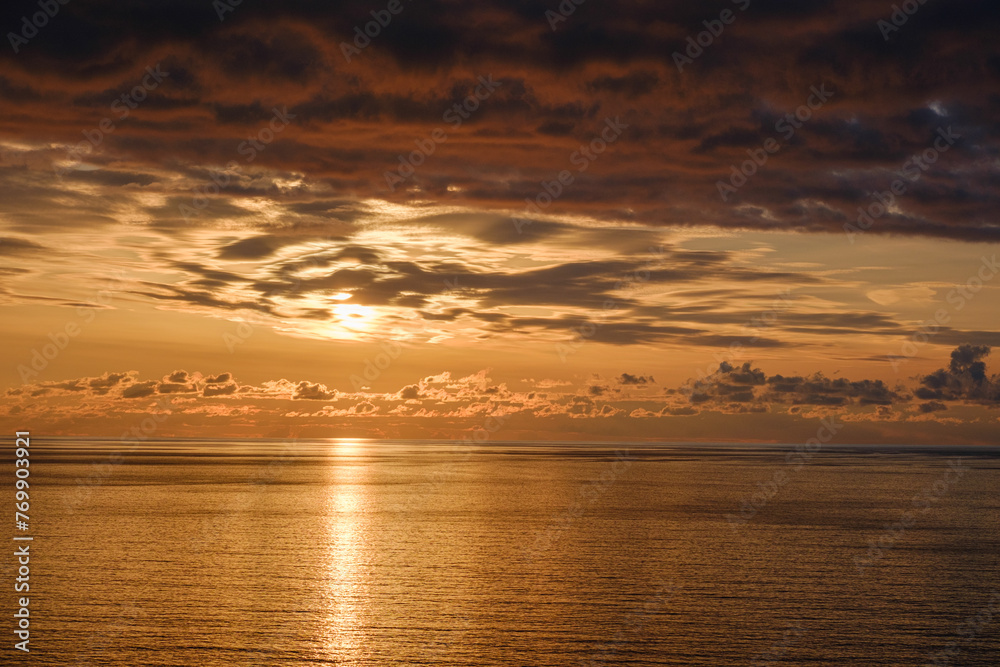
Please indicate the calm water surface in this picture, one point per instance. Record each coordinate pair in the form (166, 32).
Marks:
(382, 553)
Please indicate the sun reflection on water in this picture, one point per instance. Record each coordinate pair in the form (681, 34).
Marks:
(347, 561)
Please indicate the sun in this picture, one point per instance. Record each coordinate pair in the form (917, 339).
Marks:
(353, 317)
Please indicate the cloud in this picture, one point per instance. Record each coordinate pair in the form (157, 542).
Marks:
(104, 384)
(447, 400)
(818, 389)
(627, 379)
(140, 389)
(313, 392)
(738, 385)
(172, 388)
(408, 392)
(216, 389)
(255, 247)
(15, 246)
(353, 120)
(547, 383)
(607, 411)
(964, 379)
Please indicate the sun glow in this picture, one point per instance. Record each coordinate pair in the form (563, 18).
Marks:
(354, 317)
(347, 447)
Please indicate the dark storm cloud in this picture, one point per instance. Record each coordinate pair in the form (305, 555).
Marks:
(820, 390)
(747, 384)
(964, 379)
(633, 84)
(685, 129)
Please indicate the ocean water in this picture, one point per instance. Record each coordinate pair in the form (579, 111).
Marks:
(391, 553)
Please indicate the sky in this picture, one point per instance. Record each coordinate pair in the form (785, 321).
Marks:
(712, 222)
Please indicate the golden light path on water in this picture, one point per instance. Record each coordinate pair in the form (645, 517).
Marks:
(347, 565)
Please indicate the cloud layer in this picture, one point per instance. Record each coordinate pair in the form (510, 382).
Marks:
(343, 125)
(447, 404)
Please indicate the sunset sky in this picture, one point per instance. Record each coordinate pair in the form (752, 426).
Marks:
(492, 218)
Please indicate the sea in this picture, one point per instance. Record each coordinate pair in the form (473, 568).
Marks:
(196, 552)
